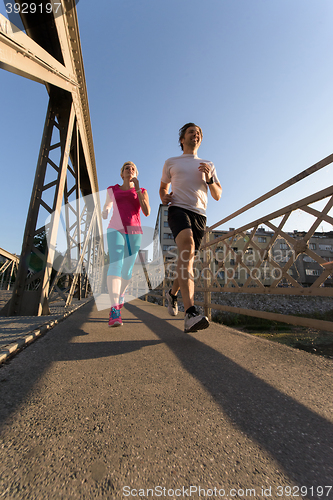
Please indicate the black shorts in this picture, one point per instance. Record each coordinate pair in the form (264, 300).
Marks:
(180, 218)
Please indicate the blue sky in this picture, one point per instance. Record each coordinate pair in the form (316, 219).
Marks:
(256, 75)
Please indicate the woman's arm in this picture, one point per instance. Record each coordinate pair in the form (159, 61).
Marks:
(144, 201)
(142, 197)
(107, 206)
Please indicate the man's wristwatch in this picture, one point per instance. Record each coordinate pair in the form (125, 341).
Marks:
(211, 181)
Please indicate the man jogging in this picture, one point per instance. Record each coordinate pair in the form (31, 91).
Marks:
(190, 178)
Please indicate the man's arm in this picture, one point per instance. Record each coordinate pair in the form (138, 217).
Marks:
(215, 190)
(165, 197)
(215, 187)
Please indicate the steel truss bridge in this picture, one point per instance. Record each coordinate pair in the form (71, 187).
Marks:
(8, 268)
(65, 195)
(65, 189)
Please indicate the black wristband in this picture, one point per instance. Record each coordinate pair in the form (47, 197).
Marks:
(211, 181)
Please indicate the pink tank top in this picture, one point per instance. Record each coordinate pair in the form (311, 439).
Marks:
(126, 210)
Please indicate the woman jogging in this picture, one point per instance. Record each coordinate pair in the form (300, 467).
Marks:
(124, 234)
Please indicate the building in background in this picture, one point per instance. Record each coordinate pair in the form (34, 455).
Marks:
(306, 269)
(163, 234)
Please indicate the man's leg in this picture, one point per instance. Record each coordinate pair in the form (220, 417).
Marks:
(186, 247)
(175, 287)
(171, 295)
(194, 321)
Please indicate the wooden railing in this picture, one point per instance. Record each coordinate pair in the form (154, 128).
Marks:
(262, 257)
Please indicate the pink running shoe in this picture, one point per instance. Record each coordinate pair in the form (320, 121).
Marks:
(115, 317)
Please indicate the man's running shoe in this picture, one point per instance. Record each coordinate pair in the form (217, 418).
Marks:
(194, 322)
(115, 318)
(172, 304)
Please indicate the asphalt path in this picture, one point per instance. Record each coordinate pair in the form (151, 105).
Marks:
(145, 410)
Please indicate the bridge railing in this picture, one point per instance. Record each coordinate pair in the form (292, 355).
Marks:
(8, 269)
(263, 259)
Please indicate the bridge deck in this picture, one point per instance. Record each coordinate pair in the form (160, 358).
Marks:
(88, 410)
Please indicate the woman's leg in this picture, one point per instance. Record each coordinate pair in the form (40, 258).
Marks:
(114, 284)
(116, 246)
(132, 247)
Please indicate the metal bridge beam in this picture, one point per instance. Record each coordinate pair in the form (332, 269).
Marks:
(50, 53)
(23, 56)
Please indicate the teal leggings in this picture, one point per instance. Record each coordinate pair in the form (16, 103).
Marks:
(123, 250)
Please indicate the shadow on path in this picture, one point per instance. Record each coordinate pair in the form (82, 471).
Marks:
(19, 375)
(297, 438)
(96, 350)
